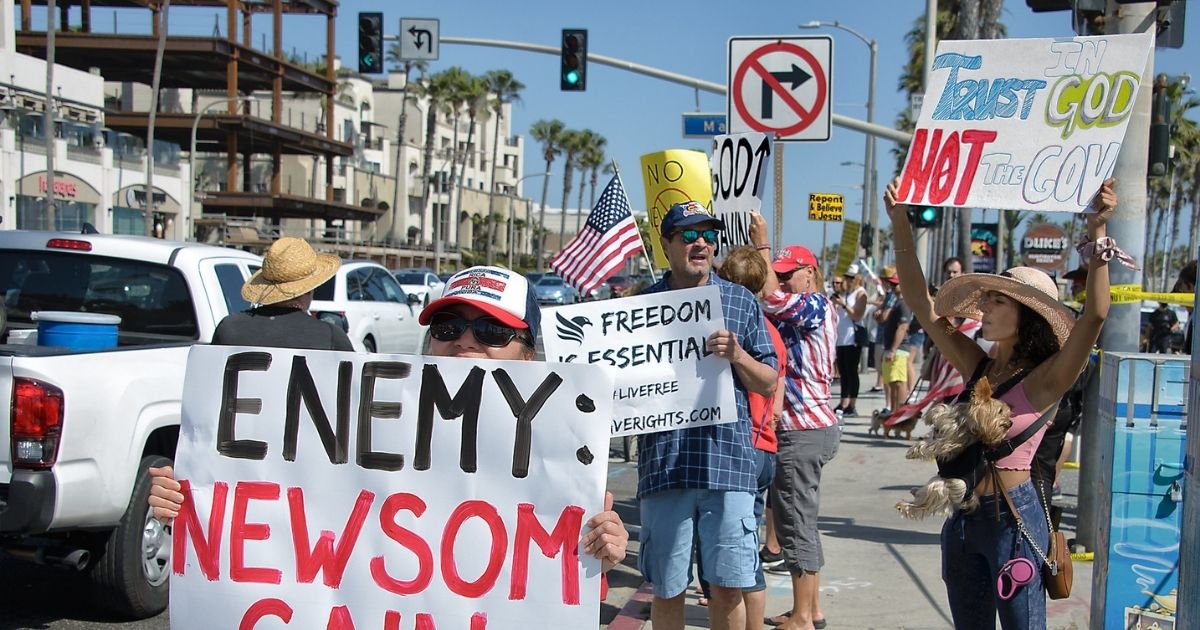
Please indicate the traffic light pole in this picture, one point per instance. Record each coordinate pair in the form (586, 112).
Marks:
(1128, 227)
(873, 129)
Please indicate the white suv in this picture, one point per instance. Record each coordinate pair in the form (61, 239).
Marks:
(367, 302)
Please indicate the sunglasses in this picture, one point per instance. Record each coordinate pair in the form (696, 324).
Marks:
(1013, 575)
(487, 330)
(691, 236)
(784, 277)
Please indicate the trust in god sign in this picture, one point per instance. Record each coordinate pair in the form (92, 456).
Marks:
(343, 491)
(1023, 124)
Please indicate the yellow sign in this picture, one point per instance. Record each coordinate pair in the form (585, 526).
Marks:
(848, 250)
(825, 206)
(671, 177)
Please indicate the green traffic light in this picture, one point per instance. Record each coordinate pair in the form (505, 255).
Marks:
(928, 214)
(572, 77)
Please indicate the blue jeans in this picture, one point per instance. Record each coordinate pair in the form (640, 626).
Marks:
(976, 545)
(764, 465)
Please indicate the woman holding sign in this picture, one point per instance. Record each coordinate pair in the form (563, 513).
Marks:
(485, 313)
(990, 554)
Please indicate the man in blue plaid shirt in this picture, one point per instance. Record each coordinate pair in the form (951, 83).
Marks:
(703, 479)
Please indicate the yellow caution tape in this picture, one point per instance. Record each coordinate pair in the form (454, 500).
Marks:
(1071, 465)
(1133, 294)
(1086, 556)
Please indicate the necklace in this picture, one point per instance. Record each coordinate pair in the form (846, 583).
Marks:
(1003, 374)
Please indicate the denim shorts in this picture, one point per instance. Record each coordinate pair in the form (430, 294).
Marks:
(976, 545)
(723, 520)
(764, 467)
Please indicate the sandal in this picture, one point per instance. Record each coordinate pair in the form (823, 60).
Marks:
(781, 618)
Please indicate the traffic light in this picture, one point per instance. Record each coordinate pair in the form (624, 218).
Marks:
(370, 42)
(573, 67)
(925, 216)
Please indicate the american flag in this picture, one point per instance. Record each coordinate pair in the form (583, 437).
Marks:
(610, 236)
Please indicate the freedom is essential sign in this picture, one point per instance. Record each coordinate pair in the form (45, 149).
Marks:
(1023, 124)
(340, 490)
(656, 348)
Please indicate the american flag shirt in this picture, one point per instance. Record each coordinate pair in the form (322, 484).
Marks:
(808, 324)
(718, 456)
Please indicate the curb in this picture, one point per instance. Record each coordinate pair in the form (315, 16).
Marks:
(636, 611)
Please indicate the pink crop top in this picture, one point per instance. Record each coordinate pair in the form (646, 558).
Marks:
(1023, 415)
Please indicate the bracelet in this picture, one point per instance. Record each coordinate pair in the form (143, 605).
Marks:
(1105, 249)
(766, 247)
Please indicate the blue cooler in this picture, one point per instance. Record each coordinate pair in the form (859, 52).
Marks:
(77, 331)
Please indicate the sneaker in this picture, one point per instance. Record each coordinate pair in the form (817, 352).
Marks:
(770, 560)
(850, 412)
(876, 390)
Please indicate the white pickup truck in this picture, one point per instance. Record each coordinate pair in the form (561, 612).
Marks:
(83, 427)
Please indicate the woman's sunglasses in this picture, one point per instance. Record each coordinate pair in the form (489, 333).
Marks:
(487, 330)
(1013, 575)
(691, 236)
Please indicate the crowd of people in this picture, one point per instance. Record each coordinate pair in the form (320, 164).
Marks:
(706, 492)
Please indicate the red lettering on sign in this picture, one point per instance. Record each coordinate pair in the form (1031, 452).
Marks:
(387, 522)
(487, 580)
(240, 531)
(935, 168)
(340, 619)
(323, 557)
(187, 527)
(565, 539)
(264, 608)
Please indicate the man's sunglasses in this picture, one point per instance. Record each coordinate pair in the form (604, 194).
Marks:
(784, 277)
(691, 236)
(487, 330)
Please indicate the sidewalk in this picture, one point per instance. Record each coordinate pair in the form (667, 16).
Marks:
(881, 570)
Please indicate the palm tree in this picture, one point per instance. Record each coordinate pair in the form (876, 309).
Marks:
(572, 142)
(405, 66)
(506, 89)
(549, 133)
(606, 167)
(474, 100)
(455, 80)
(591, 156)
(436, 90)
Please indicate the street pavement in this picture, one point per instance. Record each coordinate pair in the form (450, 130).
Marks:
(881, 570)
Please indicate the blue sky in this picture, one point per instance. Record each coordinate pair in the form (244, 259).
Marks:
(638, 114)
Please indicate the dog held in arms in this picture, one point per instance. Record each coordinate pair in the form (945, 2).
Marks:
(954, 428)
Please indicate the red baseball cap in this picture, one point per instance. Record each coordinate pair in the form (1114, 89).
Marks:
(792, 258)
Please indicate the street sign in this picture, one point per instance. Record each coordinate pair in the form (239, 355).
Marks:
(825, 206)
(702, 125)
(915, 102)
(781, 86)
(419, 38)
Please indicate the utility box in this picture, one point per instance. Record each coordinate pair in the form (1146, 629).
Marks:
(1142, 416)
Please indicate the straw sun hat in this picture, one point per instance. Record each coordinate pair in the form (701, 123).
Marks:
(290, 269)
(961, 296)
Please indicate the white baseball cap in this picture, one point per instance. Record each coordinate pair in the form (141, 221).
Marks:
(501, 293)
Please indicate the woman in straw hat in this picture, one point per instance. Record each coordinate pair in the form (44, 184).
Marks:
(1038, 350)
(282, 291)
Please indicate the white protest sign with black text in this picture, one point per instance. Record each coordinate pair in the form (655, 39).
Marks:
(1023, 124)
(739, 166)
(656, 348)
(340, 490)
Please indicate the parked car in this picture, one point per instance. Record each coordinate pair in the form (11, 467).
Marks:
(367, 302)
(84, 425)
(424, 284)
(601, 292)
(551, 289)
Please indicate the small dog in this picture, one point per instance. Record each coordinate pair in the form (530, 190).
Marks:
(876, 423)
(955, 427)
(906, 427)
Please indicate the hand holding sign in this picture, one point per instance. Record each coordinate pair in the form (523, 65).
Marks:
(724, 344)
(1103, 204)
(608, 538)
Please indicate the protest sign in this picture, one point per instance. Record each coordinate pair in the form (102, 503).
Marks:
(739, 165)
(1023, 124)
(345, 490)
(655, 347)
(672, 177)
(848, 248)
